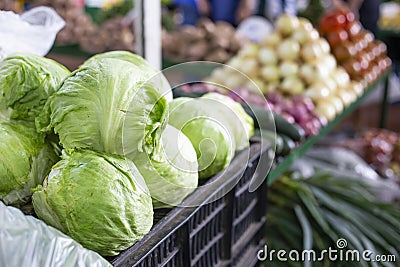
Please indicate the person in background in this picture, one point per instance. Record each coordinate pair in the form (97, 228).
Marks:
(189, 11)
(272, 9)
(367, 11)
(231, 11)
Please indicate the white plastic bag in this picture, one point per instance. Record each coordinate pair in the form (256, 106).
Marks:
(32, 32)
(27, 241)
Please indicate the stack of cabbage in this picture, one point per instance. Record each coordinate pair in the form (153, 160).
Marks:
(98, 199)
(216, 125)
(127, 146)
(25, 156)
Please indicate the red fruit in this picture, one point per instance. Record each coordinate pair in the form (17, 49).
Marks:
(364, 63)
(375, 49)
(376, 69)
(367, 36)
(388, 63)
(353, 28)
(372, 74)
(350, 17)
(369, 78)
(332, 21)
(359, 41)
(370, 53)
(359, 46)
(353, 68)
(344, 51)
(381, 46)
(337, 37)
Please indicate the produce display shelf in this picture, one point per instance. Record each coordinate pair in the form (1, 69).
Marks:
(221, 224)
(295, 154)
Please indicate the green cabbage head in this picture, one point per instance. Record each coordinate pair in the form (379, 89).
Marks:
(100, 200)
(172, 174)
(239, 123)
(149, 73)
(210, 137)
(107, 107)
(25, 160)
(26, 82)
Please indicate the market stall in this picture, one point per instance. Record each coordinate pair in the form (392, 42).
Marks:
(203, 164)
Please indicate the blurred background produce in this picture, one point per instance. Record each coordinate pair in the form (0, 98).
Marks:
(355, 49)
(207, 40)
(293, 64)
(11, 5)
(390, 16)
(109, 29)
(314, 212)
(378, 147)
(306, 77)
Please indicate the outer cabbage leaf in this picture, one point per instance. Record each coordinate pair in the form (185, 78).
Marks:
(150, 74)
(25, 160)
(27, 81)
(99, 200)
(241, 125)
(105, 106)
(5, 112)
(210, 137)
(27, 241)
(172, 174)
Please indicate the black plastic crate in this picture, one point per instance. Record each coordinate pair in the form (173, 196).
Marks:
(225, 229)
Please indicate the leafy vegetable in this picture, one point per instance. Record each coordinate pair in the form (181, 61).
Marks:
(210, 137)
(99, 200)
(325, 207)
(105, 106)
(172, 174)
(240, 123)
(149, 74)
(25, 160)
(27, 81)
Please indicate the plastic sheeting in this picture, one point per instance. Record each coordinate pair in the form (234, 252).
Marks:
(27, 241)
(342, 159)
(345, 163)
(32, 32)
